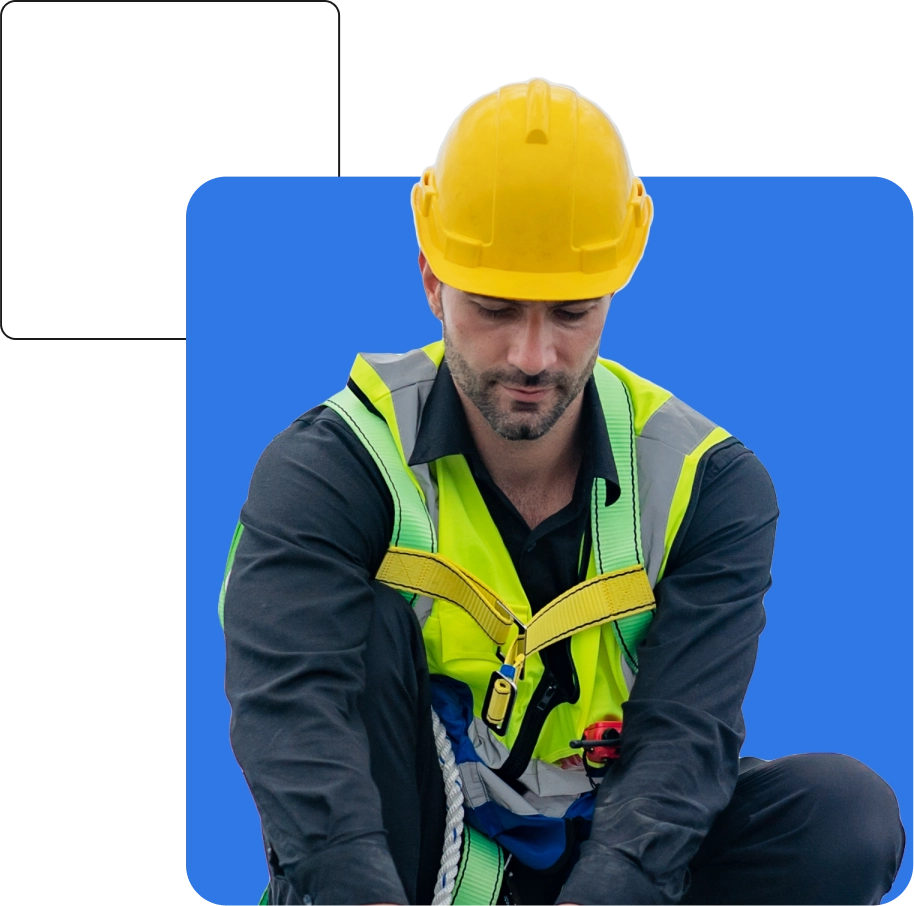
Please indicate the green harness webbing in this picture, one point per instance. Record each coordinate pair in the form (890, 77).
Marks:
(481, 871)
(479, 877)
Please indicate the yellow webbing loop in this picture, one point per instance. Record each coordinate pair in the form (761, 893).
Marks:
(602, 599)
(499, 700)
(437, 577)
(595, 601)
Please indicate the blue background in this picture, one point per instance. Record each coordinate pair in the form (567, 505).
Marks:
(779, 308)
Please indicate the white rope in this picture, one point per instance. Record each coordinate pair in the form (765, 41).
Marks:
(453, 829)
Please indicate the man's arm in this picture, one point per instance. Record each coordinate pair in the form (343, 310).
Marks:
(297, 609)
(683, 723)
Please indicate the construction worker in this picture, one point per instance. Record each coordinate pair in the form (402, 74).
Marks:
(491, 611)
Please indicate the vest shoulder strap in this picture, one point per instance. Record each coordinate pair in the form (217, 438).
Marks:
(616, 529)
(412, 526)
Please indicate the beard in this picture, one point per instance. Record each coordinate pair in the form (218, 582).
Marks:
(518, 420)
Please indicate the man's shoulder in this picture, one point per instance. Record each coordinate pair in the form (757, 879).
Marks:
(319, 454)
(733, 471)
(729, 453)
(319, 442)
(316, 430)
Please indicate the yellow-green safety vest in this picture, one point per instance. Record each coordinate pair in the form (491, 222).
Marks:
(657, 443)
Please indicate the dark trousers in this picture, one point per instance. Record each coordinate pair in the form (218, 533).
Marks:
(803, 829)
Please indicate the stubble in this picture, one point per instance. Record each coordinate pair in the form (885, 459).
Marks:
(519, 420)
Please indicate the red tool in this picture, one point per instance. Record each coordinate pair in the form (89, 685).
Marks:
(601, 741)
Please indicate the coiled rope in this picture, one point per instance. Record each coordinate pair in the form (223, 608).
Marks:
(453, 827)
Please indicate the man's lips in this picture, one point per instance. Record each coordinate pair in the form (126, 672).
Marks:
(527, 395)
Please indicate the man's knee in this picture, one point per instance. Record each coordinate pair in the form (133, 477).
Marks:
(819, 828)
(852, 813)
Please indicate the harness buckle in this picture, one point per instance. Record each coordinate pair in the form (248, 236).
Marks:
(499, 701)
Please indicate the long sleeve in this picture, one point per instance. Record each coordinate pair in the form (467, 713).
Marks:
(683, 724)
(297, 608)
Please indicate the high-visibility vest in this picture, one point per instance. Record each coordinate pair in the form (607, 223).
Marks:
(448, 558)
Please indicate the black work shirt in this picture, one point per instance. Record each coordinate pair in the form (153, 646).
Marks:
(318, 521)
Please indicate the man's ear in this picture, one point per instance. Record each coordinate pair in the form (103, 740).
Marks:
(433, 287)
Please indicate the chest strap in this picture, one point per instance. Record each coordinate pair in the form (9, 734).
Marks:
(593, 602)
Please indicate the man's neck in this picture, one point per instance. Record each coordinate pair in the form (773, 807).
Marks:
(538, 476)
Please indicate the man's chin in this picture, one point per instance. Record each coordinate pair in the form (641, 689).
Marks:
(523, 429)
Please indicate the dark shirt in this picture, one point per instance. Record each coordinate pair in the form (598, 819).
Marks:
(318, 521)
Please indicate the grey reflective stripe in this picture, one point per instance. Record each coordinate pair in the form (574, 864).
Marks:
(658, 472)
(422, 607)
(670, 434)
(409, 377)
(678, 425)
(627, 673)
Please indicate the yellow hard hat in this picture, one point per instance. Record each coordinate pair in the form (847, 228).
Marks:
(532, 197)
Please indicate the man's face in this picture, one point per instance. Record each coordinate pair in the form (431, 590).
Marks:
(521, 364)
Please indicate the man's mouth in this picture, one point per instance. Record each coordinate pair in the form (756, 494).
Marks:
(527, 394)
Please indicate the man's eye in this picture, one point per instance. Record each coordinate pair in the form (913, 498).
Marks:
(495, 313)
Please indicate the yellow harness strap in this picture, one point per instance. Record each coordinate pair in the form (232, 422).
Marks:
(595, 601)
(602, 599)
(438, 577)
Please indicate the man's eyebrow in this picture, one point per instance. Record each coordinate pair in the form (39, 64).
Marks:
(475, 297)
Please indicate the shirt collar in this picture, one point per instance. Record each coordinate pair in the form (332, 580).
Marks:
(443, 430)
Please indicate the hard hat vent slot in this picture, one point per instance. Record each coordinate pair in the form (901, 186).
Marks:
(537, 132)
(637, 202)
(427, 190)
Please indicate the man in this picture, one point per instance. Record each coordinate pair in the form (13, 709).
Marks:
(505, 552)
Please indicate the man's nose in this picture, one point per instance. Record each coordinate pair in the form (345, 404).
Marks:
(532, 349)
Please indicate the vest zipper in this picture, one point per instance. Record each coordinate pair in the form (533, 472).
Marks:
(549, 694)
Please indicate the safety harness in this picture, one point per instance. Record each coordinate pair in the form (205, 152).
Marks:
(620, 594)
(671, 441)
